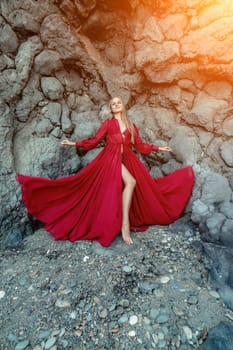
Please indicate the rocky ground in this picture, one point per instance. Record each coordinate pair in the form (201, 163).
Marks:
(152, 295)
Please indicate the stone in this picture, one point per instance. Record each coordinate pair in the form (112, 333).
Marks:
(226, 208)
(123, 319)
(66, 123)
(44, 334)
(214, 294)
(220, 337)
(185, 145)
(31, 96)
(124, 302)
(62, 303)
(164, 279)
(8, 39)
(205, 108)
(48, 62)
(227, 127)
(133, 320)
(127, 268)
(155, 54)
(73, 82)
(57, 35)
(193, 300)
(151, 31)
(214, 224)
(2, 294)
(188, 332)
(194, 43)
(25, 57)
(219, 89)
(215, 189)
(132, 334)
(162, 318)
(50, 343)
(103, 313)
(23, 21)
(22, 345)
(52, 88)
(174, 25)
(225, 236)
(226, 153)
(171, 72)
(154, 313)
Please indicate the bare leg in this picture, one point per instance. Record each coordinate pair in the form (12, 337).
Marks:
(129, 184)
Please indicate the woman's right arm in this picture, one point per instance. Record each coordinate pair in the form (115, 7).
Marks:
(90, 143)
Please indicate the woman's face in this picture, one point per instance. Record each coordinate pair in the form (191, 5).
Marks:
(116, 105)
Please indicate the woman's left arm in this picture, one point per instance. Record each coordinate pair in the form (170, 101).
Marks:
(145, 148)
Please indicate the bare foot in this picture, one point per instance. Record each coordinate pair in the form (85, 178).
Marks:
(126, 234)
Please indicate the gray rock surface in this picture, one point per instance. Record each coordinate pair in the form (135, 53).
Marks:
(153, 295)
(220, 338)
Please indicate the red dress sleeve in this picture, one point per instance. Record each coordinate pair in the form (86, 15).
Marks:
(141, 147)
(90, 143)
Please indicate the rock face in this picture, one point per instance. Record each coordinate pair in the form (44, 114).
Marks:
(171, 62)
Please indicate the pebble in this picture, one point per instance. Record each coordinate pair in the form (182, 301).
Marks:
(65, 343)
(154, 313)
(123, 319)
(50, 342)
(192, 300)
(22, 345)
(161, 336)
(73, 315)
(133, 320)
(178, 311)
(2, 294)
(132, 334)
(22, 281)
(188, 332)
(162, 344)
(103, 313)
(62, 303)
(214, 294)
(164, 279)
(12, 337)
(62, 332)
(43, 334)
(155, 338)
(163, 318)
(124, 302)
(127, 269)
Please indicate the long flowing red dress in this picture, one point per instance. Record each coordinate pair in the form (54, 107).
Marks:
(88, 205)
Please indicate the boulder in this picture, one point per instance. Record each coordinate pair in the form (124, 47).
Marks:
(226, 152)
(174, 25)
(215, 189)
(220, 337)
(205, 108)
(52, 88)
(48, 62)
(8, 39)
(185, 145)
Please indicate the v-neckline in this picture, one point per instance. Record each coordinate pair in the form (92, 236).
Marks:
(122, 132)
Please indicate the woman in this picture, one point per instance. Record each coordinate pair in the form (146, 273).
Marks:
(113, 193)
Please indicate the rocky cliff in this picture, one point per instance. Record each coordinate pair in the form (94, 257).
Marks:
(170, 61)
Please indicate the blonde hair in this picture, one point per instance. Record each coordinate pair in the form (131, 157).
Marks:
(125, 118)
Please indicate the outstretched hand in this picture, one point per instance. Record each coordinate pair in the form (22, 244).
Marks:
(67, 143)
(165, 149)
